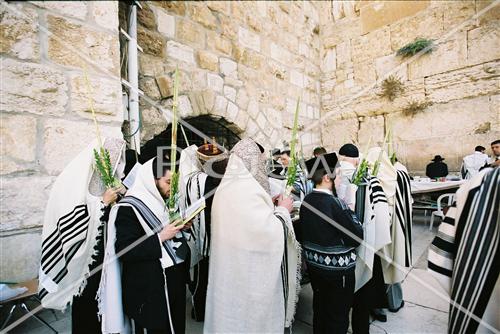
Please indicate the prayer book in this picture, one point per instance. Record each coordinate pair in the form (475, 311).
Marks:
(192, 211)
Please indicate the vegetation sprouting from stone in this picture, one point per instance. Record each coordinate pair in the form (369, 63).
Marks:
(415, 47)
(391, 88)
(414, 107)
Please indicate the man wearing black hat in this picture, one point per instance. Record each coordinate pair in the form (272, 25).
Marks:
(275, 168)
(437, 168)
(348, 160)
(330, 232)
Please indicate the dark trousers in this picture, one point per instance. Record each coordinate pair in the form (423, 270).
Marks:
(176, 287)
(84, 309)
(198, 288)
(332, 300)
(372, 295)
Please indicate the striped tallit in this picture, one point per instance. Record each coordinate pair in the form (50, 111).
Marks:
(376, 228)
(71, 227)
(477, 263)
(195, 189)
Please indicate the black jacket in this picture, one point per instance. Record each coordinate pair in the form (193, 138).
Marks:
(142, 276)
(318, 236)
(436, 169)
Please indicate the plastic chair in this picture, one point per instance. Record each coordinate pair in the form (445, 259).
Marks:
(19, 301)
(439, 211)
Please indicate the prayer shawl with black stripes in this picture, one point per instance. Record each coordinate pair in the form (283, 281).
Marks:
(149, 207)
(465, 255)
(70, 229)
(254, 257)
(399, 251)
(376, 230)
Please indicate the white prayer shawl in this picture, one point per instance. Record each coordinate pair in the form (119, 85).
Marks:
(190, 177)
(109, 294)
(70, 230)
(346, 190)
(464, 276)
(246, 289)
(399, 251)
(472, 163)
(376, 231)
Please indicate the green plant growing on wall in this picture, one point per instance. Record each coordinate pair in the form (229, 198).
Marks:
(415, 47)
(391, 87)
(414, 107)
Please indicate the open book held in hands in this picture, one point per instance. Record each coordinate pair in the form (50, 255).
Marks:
(192, 211)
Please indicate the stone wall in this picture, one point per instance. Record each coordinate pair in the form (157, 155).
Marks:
(247, 61)
(44, 110)
(460, 78)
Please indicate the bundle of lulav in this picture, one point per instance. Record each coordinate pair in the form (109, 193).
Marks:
(101, 156)
(172, 201)
(291, 174)
(362, 170)
(390, 148)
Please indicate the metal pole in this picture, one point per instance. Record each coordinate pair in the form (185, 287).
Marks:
(133, 79)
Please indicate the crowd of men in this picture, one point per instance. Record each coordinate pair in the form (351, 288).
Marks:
(123, 264)
(472, 164)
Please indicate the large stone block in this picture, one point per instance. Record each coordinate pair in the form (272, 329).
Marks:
(488, 10)
(468, 82)
(191, 33)
(482, 43)
(455, 118)
(457, 13)
(199, 12)
(391, 64)
(252, 59)
(19, 36)
(64, 139)
(175, 7)
(23, 201)
(65, 45)
(146, 17)
(20, 256)
(448, 55)
(228, 67)
(341, 31)
(180, 52)
(372, 45)
(18, 137)
(32, 88)
(249, 39)
(215, 82)
(150, 65)
(151, 42)
(418, 26)
(337, 132)
(364, 74)
(105, 14)
(76, 9)
(105, 93)
(280, 54)
(153, 123)
(378, 14)
(343, 52)
(166, 23)
(208, 60)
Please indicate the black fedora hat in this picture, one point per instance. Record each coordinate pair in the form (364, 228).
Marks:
(437, 158)
(325, 161)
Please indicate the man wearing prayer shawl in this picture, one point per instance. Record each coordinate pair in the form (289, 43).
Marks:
(201, 171)
(329, 232)
(465, 255)
(254, 257)
(72, 236)
(145, 275)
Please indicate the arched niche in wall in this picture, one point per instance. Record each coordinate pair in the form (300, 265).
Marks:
(196, 130)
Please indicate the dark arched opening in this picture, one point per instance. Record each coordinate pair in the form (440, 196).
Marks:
(209, 126)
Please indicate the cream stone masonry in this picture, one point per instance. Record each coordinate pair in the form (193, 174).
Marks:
(44, 112)
(459, 78)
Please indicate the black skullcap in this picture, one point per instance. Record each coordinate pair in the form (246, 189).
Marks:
(349, 150)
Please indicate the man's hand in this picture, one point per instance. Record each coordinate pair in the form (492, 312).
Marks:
(169, 232)
(110, 196)
(286, 202)
(188, 225)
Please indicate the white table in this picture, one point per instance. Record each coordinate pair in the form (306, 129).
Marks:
(420, 187)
